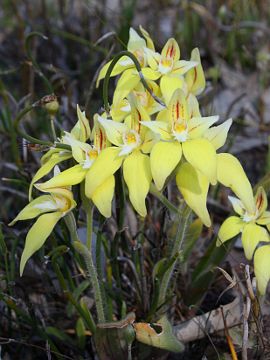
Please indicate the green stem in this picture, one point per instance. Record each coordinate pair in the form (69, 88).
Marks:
(180, 236)
(139, 69)
(52, 118)
(87, 252)
(154, 191)
(89, 220)
(71, 225)
(93, 276)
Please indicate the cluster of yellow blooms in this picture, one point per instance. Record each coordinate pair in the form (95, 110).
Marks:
(151, 141)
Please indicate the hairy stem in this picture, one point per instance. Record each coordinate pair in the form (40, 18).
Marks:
(93, 276)
(180, 236)
(154, 191)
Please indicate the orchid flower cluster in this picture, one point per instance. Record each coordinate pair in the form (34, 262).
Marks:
(154, 136)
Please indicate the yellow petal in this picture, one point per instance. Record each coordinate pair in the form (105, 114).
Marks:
(264, 219)
(159, 128)
(178, 108)
(64, 197)
(106, 164)
(78, 148)
(72, 176)
(47, 167)
(123, 63)
(137, 175)
(103, 195)
(150, 74)
(164, 158)
(182, 66)
(201, 154)
(98, 135)
(135, 41)
(114, 130)
(171, 50)
(197, 126)
(149, 41)
(37, 236)
(194, 188)
(229, 229)
(36, 207)
(231, 174)
(262, 268)
(126, 83)
(120, 111)
(149, 141)
(237, 204)
(168, 85)
(193, 106)
(261, 200)
(217, 135)
(81, 131)
(153, 58)
(195, 77)
(251, 236)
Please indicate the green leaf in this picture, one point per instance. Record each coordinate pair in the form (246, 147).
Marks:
(159, 335)
(192, 236)
(80, 331)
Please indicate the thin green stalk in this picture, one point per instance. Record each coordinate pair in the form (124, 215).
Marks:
(52, 118)
(139, 69)
(180, 236)
(89, 220)
(93, 276)
(71, 225)
(154, 191)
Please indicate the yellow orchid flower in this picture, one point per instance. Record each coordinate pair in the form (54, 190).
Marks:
(86, 155)
(49, 209)
(183, 133)
(133, 141)
(180, 133)
(169, 68)
(81, 132)
(251, 227)
(137, 45)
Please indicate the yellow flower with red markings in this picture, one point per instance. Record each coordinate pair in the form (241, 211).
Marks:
(86, 155)
(132, 141)
(182, 134)
(169, 68)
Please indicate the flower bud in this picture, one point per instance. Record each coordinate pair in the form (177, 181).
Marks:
(50, 103)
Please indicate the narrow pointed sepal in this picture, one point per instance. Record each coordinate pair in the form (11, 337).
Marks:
(103, 195)
(137, 175)
(37, 235)
(164, 158)
(229, 229)
(262, 268)
(194, 186)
